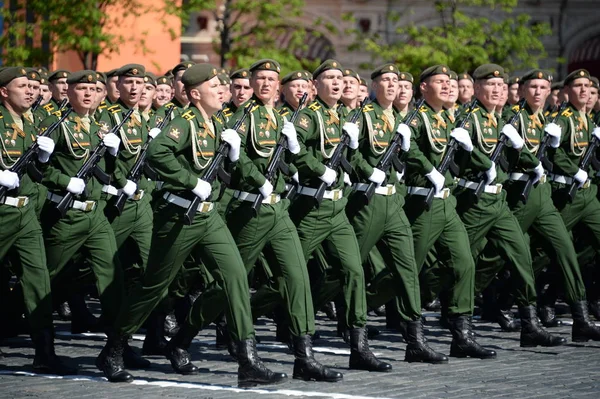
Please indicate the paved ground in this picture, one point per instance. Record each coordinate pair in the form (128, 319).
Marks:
(569, 371)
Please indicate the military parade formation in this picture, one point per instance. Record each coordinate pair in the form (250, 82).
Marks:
(206, 196)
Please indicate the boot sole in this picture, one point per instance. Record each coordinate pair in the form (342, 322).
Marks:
(297, 377)
(462, 356)
(425, 361)
(250, 384)
(543, 345)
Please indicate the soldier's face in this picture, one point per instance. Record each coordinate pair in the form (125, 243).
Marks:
(386, 87)
(210, 94)
(435, 90)
(59, 89)
(35, 87)
(179, 90)
(163, 95)
(329, 85)
(535, 92)
(405, 94)
(225, 93)
(553, 99)
(112, 90)
(264, 84)
(578, 92)
(130, 89)
(363, 92)
(17, 94)
(46, 94)
(513, 94)
(465, 91)
(148, 93)
(293, 91)
(489, 91)
(82, 96)
(240, 91)
(350, 91)
(453, 91)
(591, 103)
(100, 94)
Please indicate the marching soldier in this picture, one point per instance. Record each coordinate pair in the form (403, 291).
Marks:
(465, 89)
(112, 92)
(363, 90)
(293, 87)
(57, 83)
(99, 103)
(405, 94)
(514, 82)
(180, 100)
(349, 98)
(240, 92)
(164, 92)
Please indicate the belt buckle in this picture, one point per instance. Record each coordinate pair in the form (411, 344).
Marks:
(138, 196)
(272, 199)
(21, 202)
(498, 188)
(205, 207)
(543, 179)
(587, 184)
(445, 193)
(336, 195)
(89, 206)
(390, 189)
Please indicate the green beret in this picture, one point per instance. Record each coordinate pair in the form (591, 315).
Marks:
(169, 74)
(352, 73)
(224, 71)
(434, 70)
(182, 66)
(488, 71)
(326, 66)
(363, 82)
(101, 77)
(131, 71)
(8, 74)
(164, 80)
(595, 82)
(465, 76)
(111, 73)
(515, 80)
(534, 74)
(197, 74)
(505, 78)
(308, 75)
(557, 85)
(224, 78)
(85, 76)
(580, 73)
(150, 78)
(386, 68)
(296, 75)
(453, 75)
(33, 74)
(41, 70)
(265, 65)
(58, 74)
(243, 73)
(405, 76)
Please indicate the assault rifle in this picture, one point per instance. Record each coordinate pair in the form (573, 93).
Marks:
(37, 103)
(588, 158)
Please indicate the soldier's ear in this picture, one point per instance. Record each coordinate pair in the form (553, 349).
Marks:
(4, 91)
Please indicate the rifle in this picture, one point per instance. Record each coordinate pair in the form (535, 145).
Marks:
(37, 103)
(24, 163)
(588, 158)
(277, 162)
(541, 156)
(390, 157)
(215, 169)
(497, 154)
(90, 167)
(448, 160)
(63, 104)
(140, 165)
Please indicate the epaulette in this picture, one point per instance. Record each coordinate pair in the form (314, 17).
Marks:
(284, 111)
(567, 112)
(516, 107)
(423, 108)
(169, 105)
(49, 107)
(368, 108)
(475, 110)
(102, 105)
(188, 115)
(315, 106)
(553, 115)
(215, 117)
(57, 113)
(114, 108)
(227, 112)
(255, 108)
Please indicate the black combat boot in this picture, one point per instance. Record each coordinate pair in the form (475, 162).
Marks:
(132, 359)
(64, 311)
(251, 370)
(45, 360)
(507, 321)
(82, 320)
(110, 360)
(155, 341)
(306, 367)
(532, 333)
(330, 311)
(463, 340)
(177, 353)
(224, 339)
(417, 349)
(171, 327)
(583, 329)
(594, 307)
(361, 357)
(547, 316)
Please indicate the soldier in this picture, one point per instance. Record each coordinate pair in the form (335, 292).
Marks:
(350, 90)
(99, 102)
(593, 103)
(35, 82)
(57, 82)
(181, 154)
(226, 86)
(405, 94)
(240, 92)
(145, 102)
(552, 102)
(164, 92)
(450, 106)
(363, 90)
(513, 90)
(44, 89)
(465, 89)
(112, 92)
(293, 87)
(489, 217)
(21, 230)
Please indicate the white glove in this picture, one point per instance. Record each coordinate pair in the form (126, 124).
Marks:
(289, 131)
(232, 138)
(554, 131)
(130, 188)
(514, 139)
(378, 176)
(202, 189)
(539, 172)
(266, 189)
(46, 148)
(296, 177)
(404, 131)
(596, 132)
(399, 175)
(9, 179)
(347, 180)
(436, 179)
(581, 176)
(112, 143)
(462, 137)
(329, 176)
(352, 130)
(154, 132)
(76, 186)
(491, 173)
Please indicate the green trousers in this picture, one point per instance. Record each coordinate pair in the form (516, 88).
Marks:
(273, 232)
(383, 219)
(208, 240)
(329, 225)
(492, 219)
(87, 232)
(21, 232)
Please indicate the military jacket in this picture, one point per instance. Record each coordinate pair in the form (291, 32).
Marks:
(229, 109)
(531, 128)
(50, 107)
(162, 111)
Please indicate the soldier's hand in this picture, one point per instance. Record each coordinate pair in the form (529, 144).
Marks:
(378, 176)
(491, 173)
(329, 176)
(514, 139)
(130, 188)
(266, 189)
(232, 138)
(596, 132)
(46, 148)
(154, 132)
(539, 172)
(462, 137)
(202, 189)
(347, 179)
(9, 179)
(436, 179)
(352, 130)
(404, 131)
(289, 131)
(581, 176)
(296, 177)
(554, 131)
(112, 143)
(76, 186)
